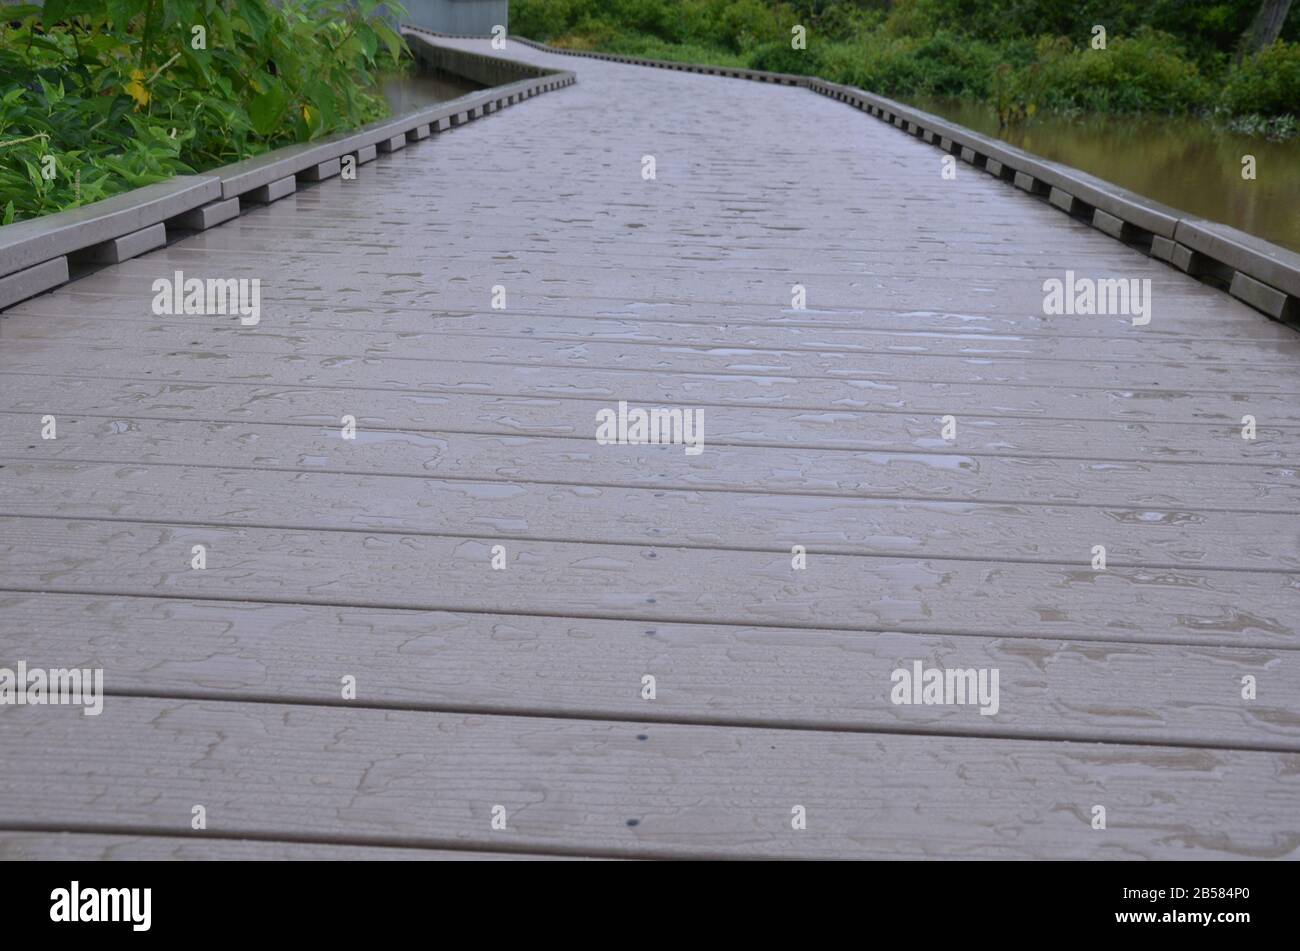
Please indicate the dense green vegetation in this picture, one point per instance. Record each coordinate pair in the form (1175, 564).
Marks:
(1023, 56)
(99, 96)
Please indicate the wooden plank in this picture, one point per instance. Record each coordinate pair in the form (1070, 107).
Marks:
(1140, 404)
(570, 667)
(300, 305)
(512, 233)
(435, 333)
(648, 243)
(335, 387)
(651, 358)
(19, 846)
(432, 282)
(1188, 606)
(920, 475)
(1063, 535)
(815, 269)
(431, 780)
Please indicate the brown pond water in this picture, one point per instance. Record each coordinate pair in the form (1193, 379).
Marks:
(1182, 162)
(407, 92)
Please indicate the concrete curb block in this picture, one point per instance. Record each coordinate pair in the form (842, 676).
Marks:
(119, 226)
(1026, 182)
(1066, 202)
(1252, 256)
(124, 248)
(28, 243)
(32, 281)
(209, 216)
(321, 171)
(1185, 259)
(1120, 229)
(1261, 296)
(274, 191)
(1162, 248)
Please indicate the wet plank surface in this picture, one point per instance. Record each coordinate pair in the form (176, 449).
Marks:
(635, 789)
(524, 688)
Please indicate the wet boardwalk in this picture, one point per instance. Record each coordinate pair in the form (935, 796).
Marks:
(650, 673)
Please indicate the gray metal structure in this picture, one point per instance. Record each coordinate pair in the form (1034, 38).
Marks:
(464, 17)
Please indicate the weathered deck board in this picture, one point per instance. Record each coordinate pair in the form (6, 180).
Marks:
(637, 789)
(975, 596)
(720, 389)
(321, 275)
(304, 447)
(375, 314)
(1134, 537)
(430, 330)
(330, 390)
(371, 557)
(651, 357)
(806, 678)
(101, 847)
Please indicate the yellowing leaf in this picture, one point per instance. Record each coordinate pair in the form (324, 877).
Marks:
(135, 89)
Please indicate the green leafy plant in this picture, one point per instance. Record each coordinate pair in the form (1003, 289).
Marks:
(121, 93)
(1024, 57)
(1268, 83)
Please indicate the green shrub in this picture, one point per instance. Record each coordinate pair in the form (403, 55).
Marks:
(1143, 73)
(1023, 56)
(121, 93)
(749, 24)
(541, 19)
(780, 57)
(954, 66)
(1268, 83)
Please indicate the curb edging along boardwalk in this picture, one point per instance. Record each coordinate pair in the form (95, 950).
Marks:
(1257, 272)
(37, 255)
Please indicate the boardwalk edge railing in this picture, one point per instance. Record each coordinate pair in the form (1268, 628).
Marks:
(39, 254)
(1257, 272)
(36, 253)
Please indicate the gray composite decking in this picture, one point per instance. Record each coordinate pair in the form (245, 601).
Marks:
(522, 688)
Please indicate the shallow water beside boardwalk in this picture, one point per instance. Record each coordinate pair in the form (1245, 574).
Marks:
(1183, 162)
(407, 92)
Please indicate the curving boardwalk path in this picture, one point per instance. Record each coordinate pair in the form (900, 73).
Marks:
(516, 695)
